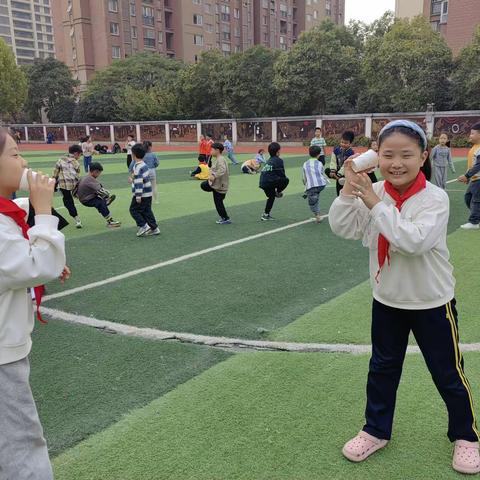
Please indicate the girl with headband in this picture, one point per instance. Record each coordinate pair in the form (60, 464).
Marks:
(403, 221)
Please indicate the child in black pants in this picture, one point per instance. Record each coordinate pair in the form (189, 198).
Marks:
(273, 180)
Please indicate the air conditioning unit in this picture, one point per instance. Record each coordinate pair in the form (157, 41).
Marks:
(444, 12)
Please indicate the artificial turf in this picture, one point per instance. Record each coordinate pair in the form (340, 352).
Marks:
(272, 416)
(85, 379)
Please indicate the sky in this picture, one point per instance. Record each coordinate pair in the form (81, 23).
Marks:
(367, 10)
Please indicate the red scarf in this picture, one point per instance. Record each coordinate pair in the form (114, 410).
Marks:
(383, 244)
(12, 210)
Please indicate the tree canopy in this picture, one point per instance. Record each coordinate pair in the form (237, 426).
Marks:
(13, 84)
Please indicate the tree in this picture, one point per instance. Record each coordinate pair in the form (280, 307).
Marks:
(247, 79)
(140, 73)
(155, 103)
(466, 76)
(13, 84)
(405, 69)
(320, 74)
(200, 87)
(50, 87)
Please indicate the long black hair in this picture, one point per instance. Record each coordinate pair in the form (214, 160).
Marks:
(426, 168)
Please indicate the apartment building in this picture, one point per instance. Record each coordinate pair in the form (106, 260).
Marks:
(26, 25)
(408, 8)
(90, 34)
(455, 19)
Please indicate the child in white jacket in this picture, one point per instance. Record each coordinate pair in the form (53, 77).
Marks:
(403, 221)
(28, 258)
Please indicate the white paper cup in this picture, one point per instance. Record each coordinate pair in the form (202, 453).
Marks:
(24, 186)
(365, 161)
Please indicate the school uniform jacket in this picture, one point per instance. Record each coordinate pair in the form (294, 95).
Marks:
(420, 275)
(25, 264)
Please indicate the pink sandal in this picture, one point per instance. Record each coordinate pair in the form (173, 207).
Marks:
(362, 446)
(466, 457)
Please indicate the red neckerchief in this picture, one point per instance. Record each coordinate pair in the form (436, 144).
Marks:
(383, 244)
(12, 210)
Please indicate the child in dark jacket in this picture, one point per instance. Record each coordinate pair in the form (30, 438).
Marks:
(273, 180)
(339, 155)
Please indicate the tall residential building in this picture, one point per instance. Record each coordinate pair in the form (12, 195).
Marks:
(455, 19)
(90, 34)
(408, 8)
(26, 25)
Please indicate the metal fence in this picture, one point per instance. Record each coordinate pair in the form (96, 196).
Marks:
(287, 130)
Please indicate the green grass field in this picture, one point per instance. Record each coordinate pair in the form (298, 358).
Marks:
(116, 407)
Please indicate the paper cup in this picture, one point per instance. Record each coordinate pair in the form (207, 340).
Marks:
(24, 186)
(365, 161)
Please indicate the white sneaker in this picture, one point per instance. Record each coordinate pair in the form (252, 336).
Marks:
(470, 226)
(78, 224)
(143, 230)
(153, 232)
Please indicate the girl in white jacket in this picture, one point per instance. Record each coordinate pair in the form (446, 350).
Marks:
(403, 221)
(28, 259)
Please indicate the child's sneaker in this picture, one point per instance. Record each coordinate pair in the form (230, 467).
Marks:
(279, 194)
(153, 232)
(304, 196)
(265, 217)
(470, 226)
(223, 221)
(78, 224)
(111, 223)
(466, 457)
(143, 230)
(111, 199)
(318, 218)
(362, 446)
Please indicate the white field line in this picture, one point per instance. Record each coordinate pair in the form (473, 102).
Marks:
(223, 342)
(173, 261)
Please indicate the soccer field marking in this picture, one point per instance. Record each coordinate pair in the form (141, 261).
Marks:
(240, 344)
(175, 260)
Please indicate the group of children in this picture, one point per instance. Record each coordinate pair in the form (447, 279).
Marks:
(402, 220)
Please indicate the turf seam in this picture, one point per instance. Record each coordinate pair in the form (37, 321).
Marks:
(225, 343)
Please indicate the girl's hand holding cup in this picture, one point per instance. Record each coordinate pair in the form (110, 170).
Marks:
(41, 189)
(359, 184)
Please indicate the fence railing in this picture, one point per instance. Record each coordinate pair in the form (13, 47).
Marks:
(250, 130)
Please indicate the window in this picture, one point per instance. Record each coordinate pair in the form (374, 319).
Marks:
(25, 53)
(21, 33)
(25, 43)
(132, 10)
(134, 32)
(197, 2)
(226, 47)
(315, 14)
(22, 15)
(209, 27)
(116, 52)
(225, 13)
(236, 13)
(264, 20)
(160, 37)
(197, 19)
(114, 28)
(435, 26)
(113, 7)
(21, 6)
(207, 8)
(265, 3)
(283, 11)
(309, 17)
(237, 32)
(436, 7)
(148, 17)
(18, 24)
(149, 38)
(198, 40)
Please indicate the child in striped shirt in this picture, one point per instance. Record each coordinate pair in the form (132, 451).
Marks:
(320, 142)
(314, 180)
(141, 206)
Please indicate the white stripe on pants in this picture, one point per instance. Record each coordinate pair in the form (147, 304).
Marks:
(23, 449)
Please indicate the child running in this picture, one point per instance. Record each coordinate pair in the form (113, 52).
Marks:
(67, 176)
(202, 155)
(273, 180)
(441, 157)
(128, 147)
(141, 206)
(29, 258)
(403, 221)
(229, 149)
(472, 178)
(217, 183)
(314, 181)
